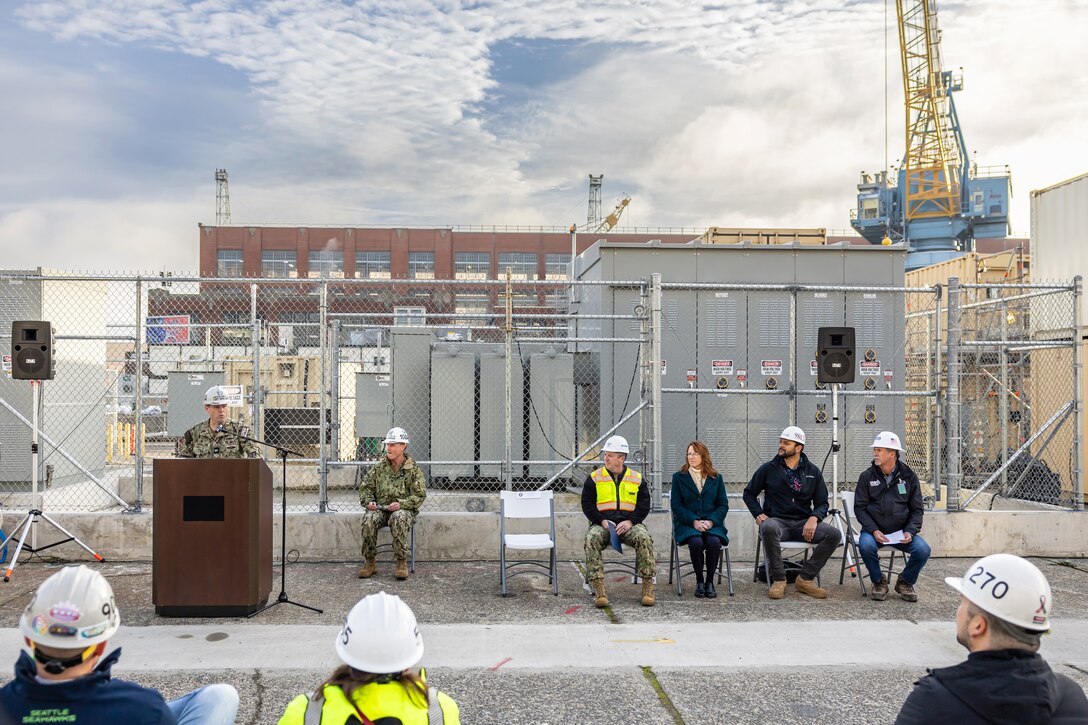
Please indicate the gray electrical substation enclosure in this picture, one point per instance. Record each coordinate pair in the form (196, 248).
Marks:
(450, 395)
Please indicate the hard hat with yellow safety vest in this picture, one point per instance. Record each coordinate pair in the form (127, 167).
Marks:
(380, 636)
(616, 444)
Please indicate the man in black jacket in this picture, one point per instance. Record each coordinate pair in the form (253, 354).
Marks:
(1004, 610)
(794, 504)
(888, 500)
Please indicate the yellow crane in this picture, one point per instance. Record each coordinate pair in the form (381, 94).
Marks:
(612, 219)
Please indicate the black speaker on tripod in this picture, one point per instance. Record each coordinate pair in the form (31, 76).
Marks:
(31, 350)
(835, 355)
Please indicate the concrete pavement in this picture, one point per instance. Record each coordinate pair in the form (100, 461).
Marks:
(537, 658)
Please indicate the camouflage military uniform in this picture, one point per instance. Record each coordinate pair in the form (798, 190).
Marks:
(637, 536)
(598, 537)
(384, 485)
(201, 441)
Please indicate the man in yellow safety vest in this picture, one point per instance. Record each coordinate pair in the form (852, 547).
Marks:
(614, 498)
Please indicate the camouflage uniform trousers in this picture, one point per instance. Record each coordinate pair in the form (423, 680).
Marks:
(597, 538)
(400, 525)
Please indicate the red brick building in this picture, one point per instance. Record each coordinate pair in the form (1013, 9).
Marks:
(399, 253)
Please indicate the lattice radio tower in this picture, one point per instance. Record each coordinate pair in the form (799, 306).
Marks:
(593, 218)
(222, 198)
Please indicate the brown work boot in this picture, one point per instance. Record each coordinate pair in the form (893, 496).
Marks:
(598, 591)
(880, 591)
(808, 586)
(402, 569)
(905, 590)
(369, 569)
(648, 592)
(777, 590)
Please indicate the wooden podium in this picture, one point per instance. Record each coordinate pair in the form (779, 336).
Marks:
(212, 536)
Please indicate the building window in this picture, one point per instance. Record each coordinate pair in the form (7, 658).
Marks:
(522, 265)
(372, 265)
(229, 263)
(471, 303)
(471, 265)
(278, 263)
(557, 266)
(327, 264)
(410, 316)
(421, 265)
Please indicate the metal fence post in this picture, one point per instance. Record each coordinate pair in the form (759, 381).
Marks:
(138, 470)
(938, 402)
(1003, 401)
(323, 412)
(508, 415)
(953, 433)
(255, 342)
(334, 404)
(655, 387)
(1078, 473)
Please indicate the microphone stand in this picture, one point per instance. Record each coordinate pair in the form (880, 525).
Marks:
(282, 598)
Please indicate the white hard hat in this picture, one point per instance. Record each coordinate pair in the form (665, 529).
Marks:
(887, 439)
(380, 636)
(793, 433)
(616, 444)
(216, 395)
(396, 435)
(73, 609)
(1008, 587)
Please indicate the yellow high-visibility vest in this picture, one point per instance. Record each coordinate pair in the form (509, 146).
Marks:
(606, 490)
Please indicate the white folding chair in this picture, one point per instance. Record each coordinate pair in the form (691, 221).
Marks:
(787, 546)
(852, 538)
(527, 505)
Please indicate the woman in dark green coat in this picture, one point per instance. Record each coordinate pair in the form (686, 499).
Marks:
(699, 506)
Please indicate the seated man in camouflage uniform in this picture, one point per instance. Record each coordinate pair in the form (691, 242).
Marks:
(216, 437)
(392, 492)
(614, 497)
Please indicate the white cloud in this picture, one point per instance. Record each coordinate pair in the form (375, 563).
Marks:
(742, 113)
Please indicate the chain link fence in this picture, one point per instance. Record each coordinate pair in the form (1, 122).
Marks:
(515, 383)
(1012, 351)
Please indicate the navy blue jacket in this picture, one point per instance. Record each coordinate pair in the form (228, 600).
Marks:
(995, 687)
(688, 506)
(95, 699)
(787, 495)
(878, 506)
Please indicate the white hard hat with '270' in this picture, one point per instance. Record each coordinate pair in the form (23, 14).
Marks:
(1008, 587)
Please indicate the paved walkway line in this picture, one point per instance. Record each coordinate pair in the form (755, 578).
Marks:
(742, 645)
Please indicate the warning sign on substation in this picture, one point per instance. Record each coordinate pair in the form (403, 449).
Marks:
(721, 367)
(871, 369)
(771, 367)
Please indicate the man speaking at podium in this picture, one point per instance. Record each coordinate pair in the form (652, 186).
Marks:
(216, 437)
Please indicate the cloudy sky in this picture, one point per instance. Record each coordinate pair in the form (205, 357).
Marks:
(738, 113)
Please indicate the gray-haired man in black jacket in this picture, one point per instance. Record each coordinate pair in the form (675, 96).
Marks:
(888, 500)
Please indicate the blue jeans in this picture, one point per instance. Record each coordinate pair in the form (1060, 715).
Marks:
(211, 705)
(917, 550)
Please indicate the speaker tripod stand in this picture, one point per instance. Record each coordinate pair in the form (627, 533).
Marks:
(25, 528)
(839, 519)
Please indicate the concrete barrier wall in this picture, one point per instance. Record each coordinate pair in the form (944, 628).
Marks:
(475, 536)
